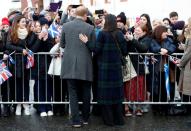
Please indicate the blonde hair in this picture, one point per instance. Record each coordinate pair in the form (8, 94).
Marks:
(187, 32)
(81, 11)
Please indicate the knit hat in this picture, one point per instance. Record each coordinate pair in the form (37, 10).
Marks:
(121, 18)
(5, 21)
(43, 21)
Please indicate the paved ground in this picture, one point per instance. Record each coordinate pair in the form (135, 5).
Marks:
(148, 122)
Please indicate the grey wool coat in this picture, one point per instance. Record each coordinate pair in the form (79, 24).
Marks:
(77, 58)
(185, 66)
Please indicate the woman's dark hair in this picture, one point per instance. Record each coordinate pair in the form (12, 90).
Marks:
(148, 24)
(167, 20)
(14, 35)
(181, 38)
(144, 28)
(110, 23)
(157, 33)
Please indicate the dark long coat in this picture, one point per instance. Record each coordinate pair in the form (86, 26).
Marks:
(110, 81)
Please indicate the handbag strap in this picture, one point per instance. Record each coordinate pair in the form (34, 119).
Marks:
(116, 42)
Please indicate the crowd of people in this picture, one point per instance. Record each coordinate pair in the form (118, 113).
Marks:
(86, 52)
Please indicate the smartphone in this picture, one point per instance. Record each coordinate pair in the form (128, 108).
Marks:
(99, 12)
(60, 13)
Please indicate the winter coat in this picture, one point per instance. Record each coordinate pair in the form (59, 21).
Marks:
(185, 75)
(109, 71)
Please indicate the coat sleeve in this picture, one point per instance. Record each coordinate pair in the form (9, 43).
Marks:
(92, 40)
(37, 44)
(154, 47)
(99, 43)
(63, 18)
(141, 46)
(123, 43)
(62, 39)
(32, 39)
(169, 45)
(187, 56)
(10, 46)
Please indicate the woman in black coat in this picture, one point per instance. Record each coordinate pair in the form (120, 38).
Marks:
(43, 82)
(17, 41)
(5, 87)
(135, 89)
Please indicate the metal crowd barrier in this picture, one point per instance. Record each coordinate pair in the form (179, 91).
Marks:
(46, 58)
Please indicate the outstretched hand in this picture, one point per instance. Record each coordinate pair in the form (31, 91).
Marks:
(83, 38)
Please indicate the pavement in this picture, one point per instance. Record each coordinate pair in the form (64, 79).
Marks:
(148, 122)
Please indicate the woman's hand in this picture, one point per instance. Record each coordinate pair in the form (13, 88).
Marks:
(5, 56)
(181, 46)
(129, 36)
(83, 38)
(25, 52)
(163, 51)
(45, 37)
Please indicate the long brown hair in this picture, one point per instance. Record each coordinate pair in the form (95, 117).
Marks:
(110, 23)
(14, 34)
(157, 33)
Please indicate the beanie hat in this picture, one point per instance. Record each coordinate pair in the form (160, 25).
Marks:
(43, 21)
(5, 21)
(121, 18)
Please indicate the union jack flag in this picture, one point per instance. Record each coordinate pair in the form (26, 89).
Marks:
(30, 59)
(11, 60)
(5, 74)
(173, 59)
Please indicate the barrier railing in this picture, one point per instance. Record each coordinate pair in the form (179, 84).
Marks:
(50, 89)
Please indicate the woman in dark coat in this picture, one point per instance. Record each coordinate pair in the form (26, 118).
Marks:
(17, 41)
(164, 45)
(5, 87)
(43, 82)
(110, 80)
(135, 89)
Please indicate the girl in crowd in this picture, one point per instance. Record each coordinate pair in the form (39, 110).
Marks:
(43, 82)
(17, 41)
(59, 85)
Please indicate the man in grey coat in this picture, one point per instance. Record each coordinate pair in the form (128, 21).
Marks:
(77, 66)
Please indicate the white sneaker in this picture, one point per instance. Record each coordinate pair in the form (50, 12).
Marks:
(18, 110)
(50, 113)
(145, 108)
(26, 109)
(42, 114)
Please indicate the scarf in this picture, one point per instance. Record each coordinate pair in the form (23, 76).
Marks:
(22, 33)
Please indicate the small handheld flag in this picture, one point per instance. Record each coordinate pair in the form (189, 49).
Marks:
(167, 83)
(173, 59)
(30, 59)
(53, 31)
(5, 74)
